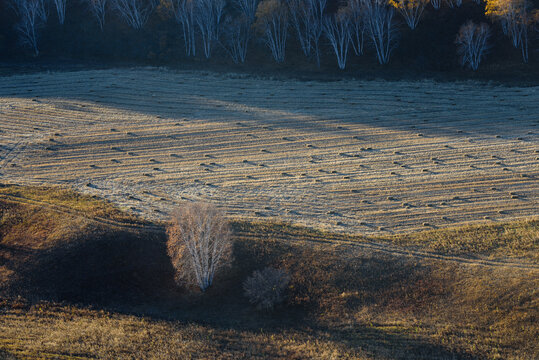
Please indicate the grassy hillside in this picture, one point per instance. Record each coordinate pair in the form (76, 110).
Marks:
(75, 287)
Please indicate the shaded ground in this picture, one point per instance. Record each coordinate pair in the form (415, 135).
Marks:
(91, 290)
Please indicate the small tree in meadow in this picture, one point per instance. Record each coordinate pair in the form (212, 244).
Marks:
(199, 244)
(266, 288)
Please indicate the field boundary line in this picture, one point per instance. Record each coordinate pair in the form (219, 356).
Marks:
(372, 246)
(395, 251)
(70, 211)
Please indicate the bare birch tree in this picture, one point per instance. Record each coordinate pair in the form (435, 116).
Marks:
(247, 8)
(307, 20)
(317, 28)
(472, 42)
(272, 19)
(60, 10)
(337, 31)
(32, 17)
(300, 18)
(98, 9)
(357, 25)
(411, 10)
(454, 3)
(208, 14)
(199, 244)
(436, 4)
(379, 21)
(135, 12)
(237, 33)
(184, 14)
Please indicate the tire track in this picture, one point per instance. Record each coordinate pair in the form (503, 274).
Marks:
(370, 246)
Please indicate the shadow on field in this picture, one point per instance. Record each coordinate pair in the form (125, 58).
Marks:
(381, 344)
(130, 273)
(100, 268)
(7, 356)
(438, 109)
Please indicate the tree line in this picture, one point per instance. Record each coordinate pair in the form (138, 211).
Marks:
(345, 27)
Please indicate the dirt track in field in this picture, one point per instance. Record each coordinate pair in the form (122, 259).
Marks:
(353, 156)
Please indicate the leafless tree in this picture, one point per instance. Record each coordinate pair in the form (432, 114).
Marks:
(237, 33)
(300, 18)
(32, 16)
(472, 42)
(454, 3)
(317, 28)
(411, 10)
(379, 21)
(98, 9)
(436, 4)
(184, 14)
(208, 14)
(135, 12)
(247, 8)
(272, 19)
(60, 10)
(358, 26)
(307, 20)
(199, 244)
(337, 30)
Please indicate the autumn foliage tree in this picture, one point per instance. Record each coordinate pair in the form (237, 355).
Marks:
(199, 244)
(515, 19)
(411, 10)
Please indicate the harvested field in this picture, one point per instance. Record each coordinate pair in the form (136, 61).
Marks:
(352, 156)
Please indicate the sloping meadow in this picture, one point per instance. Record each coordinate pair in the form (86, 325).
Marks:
(84, 288)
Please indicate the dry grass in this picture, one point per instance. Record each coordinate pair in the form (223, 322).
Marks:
(516, 239)
(495, 240)
(86, 205)
(344, 301)
(321, 154)
(46, 330)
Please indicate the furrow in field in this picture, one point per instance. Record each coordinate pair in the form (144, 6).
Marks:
(351, 156)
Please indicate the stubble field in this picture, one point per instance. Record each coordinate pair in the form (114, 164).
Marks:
(352, 156)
